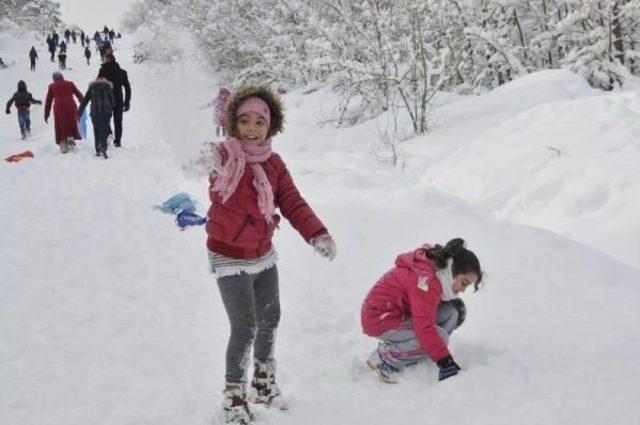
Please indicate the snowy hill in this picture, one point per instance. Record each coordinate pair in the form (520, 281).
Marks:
(109, 316)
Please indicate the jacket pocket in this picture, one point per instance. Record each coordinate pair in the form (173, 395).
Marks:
(247, 232)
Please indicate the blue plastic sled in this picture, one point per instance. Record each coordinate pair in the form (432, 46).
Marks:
(82, 124)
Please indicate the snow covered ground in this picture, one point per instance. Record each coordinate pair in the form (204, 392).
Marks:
(109, 316)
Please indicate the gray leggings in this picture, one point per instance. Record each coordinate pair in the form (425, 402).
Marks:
(401, 347)
(252, 303)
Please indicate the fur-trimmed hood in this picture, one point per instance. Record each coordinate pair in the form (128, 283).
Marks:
(264, 93)
(100, 81)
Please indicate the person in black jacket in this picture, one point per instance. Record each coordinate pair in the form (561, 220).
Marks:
(33, 55)
(52, 47)
(100, 93)
(87, 54)
(119, 78)
(23, 100)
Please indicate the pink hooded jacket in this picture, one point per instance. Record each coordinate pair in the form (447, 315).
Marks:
(410, 290)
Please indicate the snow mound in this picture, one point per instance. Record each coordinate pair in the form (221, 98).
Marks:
(568, 164)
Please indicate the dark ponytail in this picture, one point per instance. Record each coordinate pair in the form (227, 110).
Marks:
(464, 261)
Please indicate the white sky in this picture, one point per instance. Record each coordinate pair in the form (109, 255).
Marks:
(93, 14)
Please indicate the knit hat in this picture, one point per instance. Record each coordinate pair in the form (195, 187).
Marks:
(257, 105)
(57, 75)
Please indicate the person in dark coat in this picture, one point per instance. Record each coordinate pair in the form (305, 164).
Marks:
(100, 94)
(74, 35)
(52, 48)
(33, 56)
(82, 38)
(87, 54)
(67, 34)
(118, 76)
(63, 45)
(55, 37)
(64, 110)
(23, 100)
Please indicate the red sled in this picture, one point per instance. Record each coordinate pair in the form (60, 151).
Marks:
(19, 156)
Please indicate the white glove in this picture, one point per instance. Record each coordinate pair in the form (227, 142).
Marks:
(325, 246)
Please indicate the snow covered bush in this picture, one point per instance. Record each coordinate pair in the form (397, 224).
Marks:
(39, 15)
(384, 55)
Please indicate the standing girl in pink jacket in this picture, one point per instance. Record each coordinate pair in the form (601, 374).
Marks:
(248, 182)
(413, 309)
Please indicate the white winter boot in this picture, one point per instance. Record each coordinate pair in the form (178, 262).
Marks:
(385, 370)
(64, 147)
(263, 386)
(235, 407)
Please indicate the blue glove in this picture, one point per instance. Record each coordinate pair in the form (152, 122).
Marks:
(448, 368)
(187, 218)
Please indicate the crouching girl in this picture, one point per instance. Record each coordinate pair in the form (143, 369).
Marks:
(413, 309)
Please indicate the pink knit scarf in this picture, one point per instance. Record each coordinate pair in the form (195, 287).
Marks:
(229, 176)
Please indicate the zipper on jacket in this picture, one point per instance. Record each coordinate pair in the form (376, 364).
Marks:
(246, 221)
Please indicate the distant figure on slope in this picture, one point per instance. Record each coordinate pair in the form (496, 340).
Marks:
(414, 308)
(60, 94)
(62, 59)
(23, 100)
(100, 94)
(33, 57)
(110, 69)
(247, 183)
(219, 111)
(87, 54)
(52, 48)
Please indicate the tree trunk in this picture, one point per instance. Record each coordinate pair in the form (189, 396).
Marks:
(616, 30)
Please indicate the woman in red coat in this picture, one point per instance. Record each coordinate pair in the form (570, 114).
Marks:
(64, 111)
(414, 308)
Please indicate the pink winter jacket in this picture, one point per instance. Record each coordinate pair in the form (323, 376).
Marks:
(410, 290)
(237, 228)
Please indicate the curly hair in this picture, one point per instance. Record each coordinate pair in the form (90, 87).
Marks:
(263, 92)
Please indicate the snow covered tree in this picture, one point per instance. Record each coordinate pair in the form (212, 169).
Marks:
(34, 14)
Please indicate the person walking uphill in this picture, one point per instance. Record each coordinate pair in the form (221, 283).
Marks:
(100, 94)
(413, 309)
(248, 181)
(33, 56)
(111, 70)
(53, 45)
(23, 100)
(60, 94)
